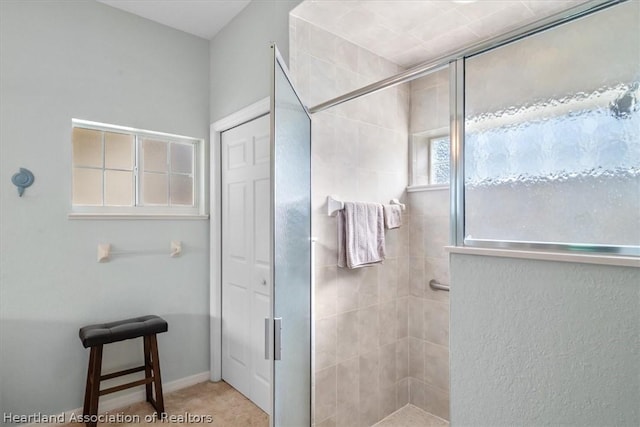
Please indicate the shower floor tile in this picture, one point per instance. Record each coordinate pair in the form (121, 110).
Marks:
(411, 416)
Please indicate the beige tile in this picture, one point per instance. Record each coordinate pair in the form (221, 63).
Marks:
(346, 80)
(439, 78)
(326, 342)
(416, 359)
(436, 401)
(326, 292)
(402, 317)
(346, 134)
(347, 336)
(436, 318)
(424, 110)
(437, 205)
(388, 402)
(367, 181)
(329, 422)
(416, 317)
(369, 408)
(412, 416)
(416, 277)
(387, 365)
(348, 385)
(323, 181)
(417, 393)
(368, 63)
(368, 332)
(325, 393)
(435, 235)
(347, 294)
(388, 278)
(402, 358)
(369, 389)
(403, 276)
(324, 139)
(322, 44)
(322, 80)
(348, 416)
(369, 367)
(436, 365)
(416, 239)
(368, 288)
(347, 54)
(387, 326)
(402, 393)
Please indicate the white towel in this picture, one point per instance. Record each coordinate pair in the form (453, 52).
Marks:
(392, 216)
(360, 235)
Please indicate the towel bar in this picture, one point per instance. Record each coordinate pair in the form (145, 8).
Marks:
(334, 205)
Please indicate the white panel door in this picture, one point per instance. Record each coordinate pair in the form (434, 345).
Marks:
(246, 277)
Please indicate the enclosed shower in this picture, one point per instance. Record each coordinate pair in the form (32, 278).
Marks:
(504, 145)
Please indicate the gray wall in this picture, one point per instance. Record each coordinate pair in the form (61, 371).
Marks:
(543, 343)
(81, 59)
(240, 55)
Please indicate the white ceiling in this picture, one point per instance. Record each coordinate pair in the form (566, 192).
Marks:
(408, 32)
(202, 18)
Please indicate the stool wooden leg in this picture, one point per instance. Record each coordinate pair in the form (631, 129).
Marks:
(147, 368)
(156, 373)
(95, 383)
(87, 390)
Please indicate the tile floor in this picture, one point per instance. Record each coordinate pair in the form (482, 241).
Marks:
(227, 407)
(411, 416)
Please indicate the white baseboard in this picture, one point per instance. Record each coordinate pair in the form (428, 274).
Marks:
(109, 405)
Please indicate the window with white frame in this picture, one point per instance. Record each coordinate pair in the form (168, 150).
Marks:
(430, 158)
(131, 171)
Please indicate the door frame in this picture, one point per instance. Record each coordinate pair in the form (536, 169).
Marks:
(246, 114)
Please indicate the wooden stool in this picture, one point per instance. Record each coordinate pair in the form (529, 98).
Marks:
(95, 336)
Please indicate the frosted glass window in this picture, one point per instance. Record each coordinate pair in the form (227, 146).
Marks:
(118, 188)
(87, 186)
(156, 189)
(182, 158)
(118, 151)
(132, 171)
(181, 190)
(155, 155)
(430, 163)
(552, 135)
(87, 147)
(439, 160)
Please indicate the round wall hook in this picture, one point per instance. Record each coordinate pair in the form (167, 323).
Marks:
(22, 180)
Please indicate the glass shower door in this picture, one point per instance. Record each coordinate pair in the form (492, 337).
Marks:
(291, 254)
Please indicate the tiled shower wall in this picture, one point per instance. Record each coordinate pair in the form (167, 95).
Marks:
(359, 153)
(429, 233)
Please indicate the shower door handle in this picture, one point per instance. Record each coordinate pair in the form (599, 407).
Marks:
(267, 321)
(277, 338)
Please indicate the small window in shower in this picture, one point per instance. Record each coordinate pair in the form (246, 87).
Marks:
(430, 158)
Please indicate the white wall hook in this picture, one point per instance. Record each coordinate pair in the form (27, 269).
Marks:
(176, 248)
(104, 251)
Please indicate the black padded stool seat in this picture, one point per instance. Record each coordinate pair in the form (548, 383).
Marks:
(96, 336)
(105, 333)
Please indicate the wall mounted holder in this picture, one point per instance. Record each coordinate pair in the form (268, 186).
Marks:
(22, 180)
(105, 252)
